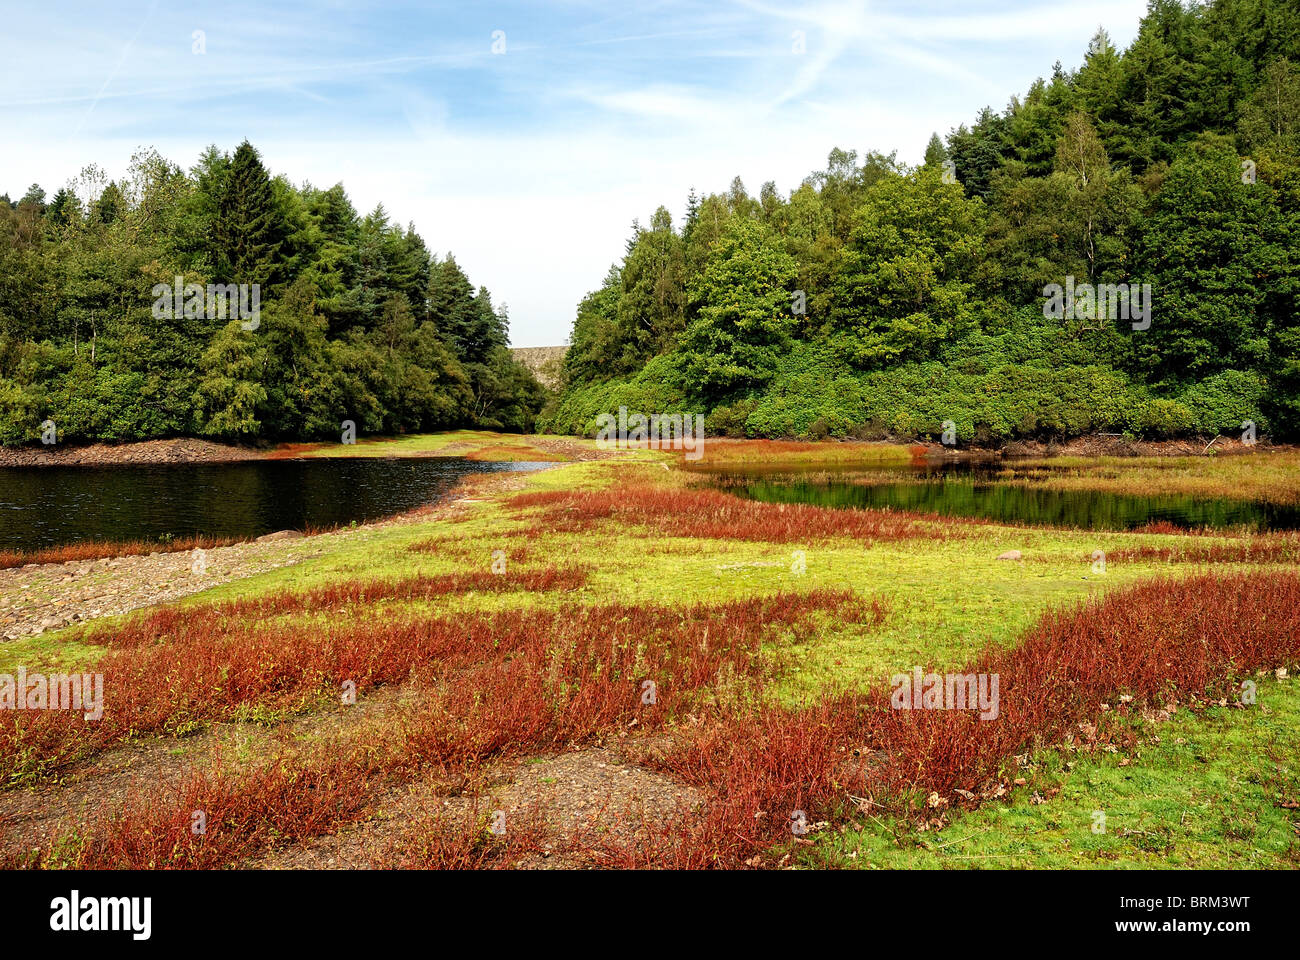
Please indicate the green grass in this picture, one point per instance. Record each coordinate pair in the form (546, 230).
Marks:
(1208, 795)
(423, 444)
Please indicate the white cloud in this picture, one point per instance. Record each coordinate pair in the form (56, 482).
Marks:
(534, 188)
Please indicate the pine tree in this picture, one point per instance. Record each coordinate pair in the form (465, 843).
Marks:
(248, 230)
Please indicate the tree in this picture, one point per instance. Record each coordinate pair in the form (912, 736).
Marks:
(248, 230)
(652, 309)
(743, 319)
(1099, 203)
(905, 283)
(935, 152)
(452, 308)
(229, 395)
(1271, 118)
(1215, 252)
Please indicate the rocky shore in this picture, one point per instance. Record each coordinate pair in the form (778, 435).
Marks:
(180, 450)
(40, 597)
(37, 598)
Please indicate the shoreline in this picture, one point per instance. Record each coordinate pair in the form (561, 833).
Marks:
(176, 450)
(187, 450)
(39, 597)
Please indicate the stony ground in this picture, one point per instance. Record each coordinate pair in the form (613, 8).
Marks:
(40, 597)
(185, 450)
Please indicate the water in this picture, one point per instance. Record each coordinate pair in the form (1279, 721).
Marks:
(968, 489)
(50, 506)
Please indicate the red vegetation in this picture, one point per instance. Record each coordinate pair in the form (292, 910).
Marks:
(100, 550)
(1268, 548)
(521, 682)
(513, 451)
(279, 801)
(757, 769)
(349, 593)
(515, 679)
(497, 685)
(711, 514)
(465, 841)
(1157, 642)
(1160, 640)
(1165, 527)
(292, 451)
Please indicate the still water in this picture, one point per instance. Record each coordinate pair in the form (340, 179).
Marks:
(49, 506)
(971, 490)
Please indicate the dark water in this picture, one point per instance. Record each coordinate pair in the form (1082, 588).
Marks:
(971, 490)
(48, 506)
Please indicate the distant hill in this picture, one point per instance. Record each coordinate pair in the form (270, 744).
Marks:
(544, 362)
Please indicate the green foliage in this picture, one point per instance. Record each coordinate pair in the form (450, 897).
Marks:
(743, 318)
(1215, 251)
(356, 320)
(1224, 402)
(877, 300)
(658, 388)
(904, 284)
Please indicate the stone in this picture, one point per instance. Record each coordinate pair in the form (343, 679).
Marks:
(280, 535)
(1010, 555)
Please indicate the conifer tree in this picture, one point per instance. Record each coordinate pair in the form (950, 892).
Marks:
(248, 229)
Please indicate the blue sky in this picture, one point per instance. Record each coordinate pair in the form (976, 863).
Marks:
(529, 164)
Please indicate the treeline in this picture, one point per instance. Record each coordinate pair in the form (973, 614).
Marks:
(355, 319)
(878, 299)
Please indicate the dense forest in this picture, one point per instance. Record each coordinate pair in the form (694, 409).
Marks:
(354, 319)
(879, 299)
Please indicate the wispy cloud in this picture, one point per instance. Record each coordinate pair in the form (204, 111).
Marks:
(529, 164)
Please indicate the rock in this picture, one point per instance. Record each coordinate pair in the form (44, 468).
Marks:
(280, 535)
(1010, 555)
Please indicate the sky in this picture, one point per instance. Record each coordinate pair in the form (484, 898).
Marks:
(524, 137)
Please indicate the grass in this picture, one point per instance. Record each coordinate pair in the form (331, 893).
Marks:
(474, 444)
(717, 452)
(1211, 788)
(629, 549)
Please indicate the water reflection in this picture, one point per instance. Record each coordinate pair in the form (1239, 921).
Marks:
(47, 506)
(971, 490)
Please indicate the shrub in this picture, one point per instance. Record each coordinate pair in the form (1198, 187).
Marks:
(1220, 404)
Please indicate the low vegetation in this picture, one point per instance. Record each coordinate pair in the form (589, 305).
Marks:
(739, 649)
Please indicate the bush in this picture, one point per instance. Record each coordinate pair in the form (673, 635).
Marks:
(654, 390)
(729, 420)
(1220, 404)
(1160, 418)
